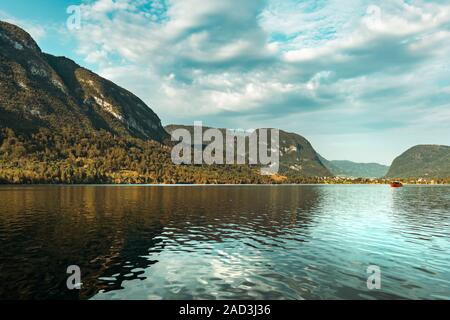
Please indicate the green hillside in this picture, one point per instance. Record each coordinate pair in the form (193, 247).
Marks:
(423, 161)
(343, 168)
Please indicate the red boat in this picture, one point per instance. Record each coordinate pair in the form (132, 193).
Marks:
(396, 184)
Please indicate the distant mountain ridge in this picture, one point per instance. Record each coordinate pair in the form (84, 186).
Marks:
(349, 169)
(422, 161)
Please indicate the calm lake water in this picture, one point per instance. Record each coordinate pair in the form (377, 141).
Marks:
(225, 242)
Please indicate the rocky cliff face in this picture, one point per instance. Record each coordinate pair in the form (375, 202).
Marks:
(297, 156)
(40, 90)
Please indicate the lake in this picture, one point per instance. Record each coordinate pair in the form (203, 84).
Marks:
(225, 242)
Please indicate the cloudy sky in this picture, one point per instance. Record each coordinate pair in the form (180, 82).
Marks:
(362, 80)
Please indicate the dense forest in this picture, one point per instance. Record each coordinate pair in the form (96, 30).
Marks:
(73, 157)
(91, 157)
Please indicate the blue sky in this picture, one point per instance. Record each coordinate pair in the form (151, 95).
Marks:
(362, 80)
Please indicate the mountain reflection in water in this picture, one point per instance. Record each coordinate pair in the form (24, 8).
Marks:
(224, 242)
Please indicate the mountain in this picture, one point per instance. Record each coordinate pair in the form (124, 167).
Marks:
(297, 156)
(61, 123)
(422, 161)
(38, 90)
(343, 168)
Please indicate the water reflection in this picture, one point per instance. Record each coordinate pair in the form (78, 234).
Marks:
(109, 231)
(267, 242)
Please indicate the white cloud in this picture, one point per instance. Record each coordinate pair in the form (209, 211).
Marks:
(105, 6)
(269, 60)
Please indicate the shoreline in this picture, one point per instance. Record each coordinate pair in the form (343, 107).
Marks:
(213, 185)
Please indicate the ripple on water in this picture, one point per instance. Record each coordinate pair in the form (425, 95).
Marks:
(287, 242)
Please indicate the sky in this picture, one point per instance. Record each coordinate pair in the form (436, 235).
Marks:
(361, 80)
